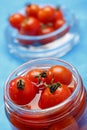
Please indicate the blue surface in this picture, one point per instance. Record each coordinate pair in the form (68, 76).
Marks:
(77, 56)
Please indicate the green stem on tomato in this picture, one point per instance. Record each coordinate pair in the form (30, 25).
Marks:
(53, 87)
(41, 75)
(20, 84)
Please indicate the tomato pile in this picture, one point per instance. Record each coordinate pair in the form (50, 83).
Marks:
(37, 21)
(42, 88)
(53, 86)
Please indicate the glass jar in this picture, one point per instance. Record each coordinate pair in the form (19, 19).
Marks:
(71, 114)
(59, 42)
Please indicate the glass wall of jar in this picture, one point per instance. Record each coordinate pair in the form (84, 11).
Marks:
(70, 114)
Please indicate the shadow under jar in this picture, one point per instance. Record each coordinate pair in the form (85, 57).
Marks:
(71, 114)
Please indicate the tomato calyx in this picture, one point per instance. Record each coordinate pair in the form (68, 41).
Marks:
(53, 87)
(20, 84)
(43, 74)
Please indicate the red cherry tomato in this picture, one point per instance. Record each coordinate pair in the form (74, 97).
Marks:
(59, 23)
(34, 75)
(58, 15)
(39, 77)
(16, 19)
(21, 90)
(53, 95)
(46, 14)
(61, 74)
(30, 26)
(32, 10)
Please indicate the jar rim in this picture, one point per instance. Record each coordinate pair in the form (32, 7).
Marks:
(38, 111)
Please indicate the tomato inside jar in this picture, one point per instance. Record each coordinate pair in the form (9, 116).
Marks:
(47, 94)
(37, 21)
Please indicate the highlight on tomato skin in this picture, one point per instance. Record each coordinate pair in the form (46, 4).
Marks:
(59, 23)
(46, 30)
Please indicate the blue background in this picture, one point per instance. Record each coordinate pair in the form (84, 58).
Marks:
(77, 56)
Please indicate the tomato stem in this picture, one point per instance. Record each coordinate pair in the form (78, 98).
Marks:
(53, 87)
(43, 74)
(20, 84)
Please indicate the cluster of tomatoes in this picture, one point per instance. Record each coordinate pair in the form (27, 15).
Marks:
(37, 20)
(53, 85)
